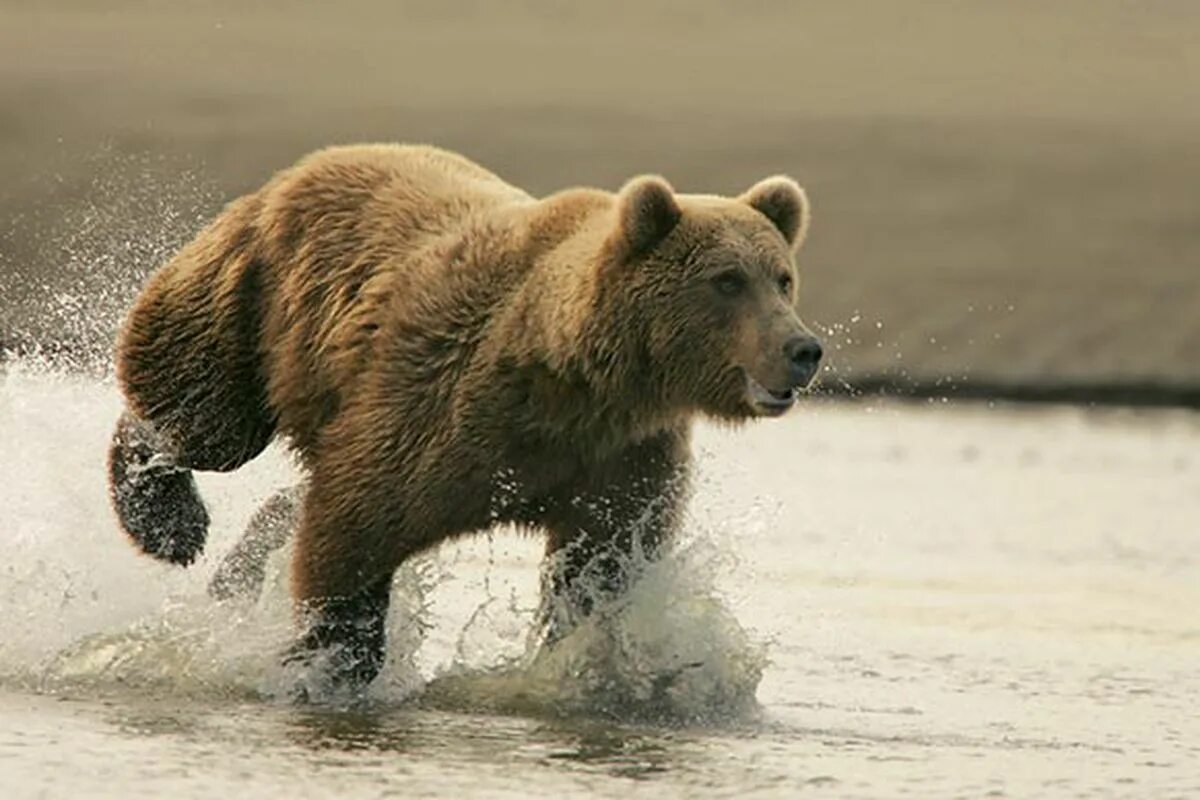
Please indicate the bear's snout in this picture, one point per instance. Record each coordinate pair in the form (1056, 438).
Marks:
(803, 354)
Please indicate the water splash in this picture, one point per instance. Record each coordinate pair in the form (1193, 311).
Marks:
(668, 649)
(74, 262)
(96, 618)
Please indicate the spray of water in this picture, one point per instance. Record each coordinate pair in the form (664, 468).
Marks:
(88, 615)
(669, 649)
(71, 263)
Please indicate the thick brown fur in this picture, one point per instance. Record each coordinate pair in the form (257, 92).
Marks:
(446, 352)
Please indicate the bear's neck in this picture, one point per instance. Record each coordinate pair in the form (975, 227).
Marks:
(579, 357)
(594, 380)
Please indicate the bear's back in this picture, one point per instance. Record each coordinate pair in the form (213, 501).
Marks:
(346, 229)
(397, 189)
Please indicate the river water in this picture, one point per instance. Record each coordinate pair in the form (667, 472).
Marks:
(871, 600)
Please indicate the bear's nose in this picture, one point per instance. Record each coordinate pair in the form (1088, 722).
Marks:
(803, 355)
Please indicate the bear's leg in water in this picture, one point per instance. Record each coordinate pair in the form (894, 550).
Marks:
(600, 533)
(351, 631)
(350, 540)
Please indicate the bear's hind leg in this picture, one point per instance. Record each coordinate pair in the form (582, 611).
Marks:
(155, 498)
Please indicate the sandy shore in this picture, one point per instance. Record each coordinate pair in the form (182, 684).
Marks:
(1005, 196)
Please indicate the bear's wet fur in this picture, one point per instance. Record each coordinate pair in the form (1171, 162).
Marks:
(445, 353)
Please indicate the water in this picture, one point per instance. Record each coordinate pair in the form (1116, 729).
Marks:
(871, 600)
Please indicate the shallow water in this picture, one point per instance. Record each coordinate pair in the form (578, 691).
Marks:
(924, 601)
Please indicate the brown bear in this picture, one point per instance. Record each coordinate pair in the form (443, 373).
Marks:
(445, 353)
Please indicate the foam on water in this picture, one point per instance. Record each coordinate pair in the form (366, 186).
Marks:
(93, 616)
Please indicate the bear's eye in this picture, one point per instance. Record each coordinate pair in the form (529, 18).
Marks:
(785, 284)
(730, 282)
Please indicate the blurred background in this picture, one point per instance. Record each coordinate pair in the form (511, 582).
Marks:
(979, 601)
(1006, 194)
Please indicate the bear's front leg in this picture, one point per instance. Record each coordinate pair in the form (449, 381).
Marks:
(349, 632)
(348, 545)
(603, 530)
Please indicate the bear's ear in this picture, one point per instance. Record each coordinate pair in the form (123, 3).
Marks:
(781, 200)
(646, 213)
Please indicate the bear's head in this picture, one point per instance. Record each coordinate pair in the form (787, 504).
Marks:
(710, 285)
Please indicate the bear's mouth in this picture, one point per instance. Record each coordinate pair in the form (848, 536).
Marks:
(768, 402)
